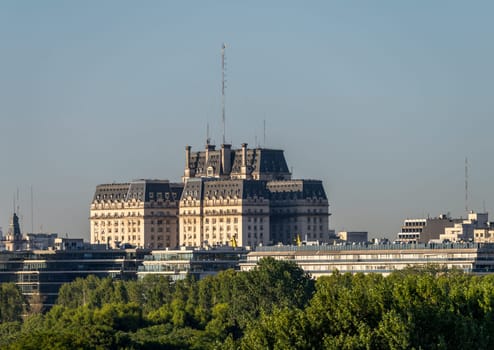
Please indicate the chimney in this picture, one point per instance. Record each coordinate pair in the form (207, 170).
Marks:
(226, 159)
(209, 148)
(187, 163)
(243, 168)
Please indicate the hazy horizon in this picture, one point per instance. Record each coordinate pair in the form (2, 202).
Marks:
(382, 101)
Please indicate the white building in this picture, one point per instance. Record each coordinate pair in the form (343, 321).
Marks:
(464, 231)
(326, 259)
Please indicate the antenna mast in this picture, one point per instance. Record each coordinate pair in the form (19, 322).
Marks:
(32, 211)
(264, 127)
(223, 67)
(466, 184)
(208, 139)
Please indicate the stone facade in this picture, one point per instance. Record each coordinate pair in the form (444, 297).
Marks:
(142, 213)
(242, 197)
(246, 197)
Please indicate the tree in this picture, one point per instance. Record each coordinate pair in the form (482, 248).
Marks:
(11, 303)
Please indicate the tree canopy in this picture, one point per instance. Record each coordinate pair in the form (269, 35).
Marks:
(275, 306)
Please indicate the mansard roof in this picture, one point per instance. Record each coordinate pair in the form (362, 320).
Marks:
(300, 188)
(142, 190)
(261, 161)
(207, 188)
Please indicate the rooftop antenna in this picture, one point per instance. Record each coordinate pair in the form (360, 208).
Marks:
(32, 211)
(208, 139)
(264, 127)
(223, 68)
(466, 185)
(17, 207)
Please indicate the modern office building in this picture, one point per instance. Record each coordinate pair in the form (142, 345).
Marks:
(41, 273)
(198, 262)
(484, 235)
(424, 230)
(326, 259)
(442, 228)
(246, 197)
(142, 213)
(463, 231)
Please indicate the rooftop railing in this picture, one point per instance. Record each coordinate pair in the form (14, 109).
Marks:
(371, 247)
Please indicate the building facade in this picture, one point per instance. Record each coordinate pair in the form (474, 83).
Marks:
(14, 240)
(246, 197)
(354, 236)
(199, 263)
(142, 213)
(444, 228)
(40, 273)
(425, 230)
(324, 260)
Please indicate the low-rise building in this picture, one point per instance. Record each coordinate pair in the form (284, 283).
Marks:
(464, 231)
(40, 273)
(384, 259)
(425, 230)
(199, 262)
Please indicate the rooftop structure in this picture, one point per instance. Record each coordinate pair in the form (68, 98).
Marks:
(14, 240)
(228, 163)
(424, 230)
(354, 236)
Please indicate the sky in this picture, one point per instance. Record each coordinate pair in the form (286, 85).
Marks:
(381, 100)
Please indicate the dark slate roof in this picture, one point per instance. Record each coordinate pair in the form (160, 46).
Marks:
(208, 188)
(262, 161)
(296, 189)
(203, 188)
(259, 161)
(193, 188)
(143, 190)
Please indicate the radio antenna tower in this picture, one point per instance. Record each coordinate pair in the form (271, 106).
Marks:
(466, 184)
(223, 68)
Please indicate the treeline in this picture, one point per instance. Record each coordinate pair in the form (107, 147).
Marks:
(276, 306)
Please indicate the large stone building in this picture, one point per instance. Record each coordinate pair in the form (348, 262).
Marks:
(142, 213)
(246, 197)
(238, 197)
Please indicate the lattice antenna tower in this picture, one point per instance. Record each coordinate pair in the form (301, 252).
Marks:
(466, 185)
(223, 70)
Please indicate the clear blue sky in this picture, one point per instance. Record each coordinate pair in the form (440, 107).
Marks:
(382, 100)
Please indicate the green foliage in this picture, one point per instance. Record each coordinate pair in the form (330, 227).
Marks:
(12, 303)
(275, 306)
